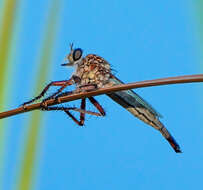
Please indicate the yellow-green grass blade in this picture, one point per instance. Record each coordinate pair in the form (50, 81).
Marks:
(8, 10)
(28, 164)
(5, 43)
(200, 25)
(199, 8)
(199, 18)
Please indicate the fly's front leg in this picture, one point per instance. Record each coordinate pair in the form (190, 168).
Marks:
(74, 79)
(56, 93)
(63, 84)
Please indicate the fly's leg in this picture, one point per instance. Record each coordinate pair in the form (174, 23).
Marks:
(62, 108)
(63, 84)
(82, 115)
(66, 110)
(90, 87)
(97, 105)
(82, 110)
(54, 94)
(74, 79)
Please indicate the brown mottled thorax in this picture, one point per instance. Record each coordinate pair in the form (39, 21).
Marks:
(94, 70)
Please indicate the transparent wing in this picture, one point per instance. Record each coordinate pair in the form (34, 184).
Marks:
(130, 98)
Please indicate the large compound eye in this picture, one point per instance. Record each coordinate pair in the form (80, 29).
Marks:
(77, 54)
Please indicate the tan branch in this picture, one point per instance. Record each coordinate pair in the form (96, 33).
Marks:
(141, 84)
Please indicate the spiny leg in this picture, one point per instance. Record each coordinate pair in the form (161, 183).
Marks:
(62, 108)
(73, 118)
(63, 84)
(82, 115)
(54, 94)
(67, 111)
(90, 87)
(83, 107)
(97, 105)
(74, 79)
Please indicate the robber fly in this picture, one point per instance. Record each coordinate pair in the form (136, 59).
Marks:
(93, 72)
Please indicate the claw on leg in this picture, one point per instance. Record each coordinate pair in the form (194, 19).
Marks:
(24, 106)
(44, 104)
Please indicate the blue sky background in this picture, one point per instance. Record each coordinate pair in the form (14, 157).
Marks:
(142, 40)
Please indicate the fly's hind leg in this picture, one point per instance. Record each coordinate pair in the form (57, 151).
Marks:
(66, 110)
(82, 110)
(97, 105)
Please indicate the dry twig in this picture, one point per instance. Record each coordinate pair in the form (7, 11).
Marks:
(141, 84)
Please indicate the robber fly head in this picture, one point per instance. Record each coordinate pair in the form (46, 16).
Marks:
(74, 57)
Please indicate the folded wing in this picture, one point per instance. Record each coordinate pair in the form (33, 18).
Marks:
(142, 110)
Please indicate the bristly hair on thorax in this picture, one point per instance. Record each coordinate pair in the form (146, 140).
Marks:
(94, 70)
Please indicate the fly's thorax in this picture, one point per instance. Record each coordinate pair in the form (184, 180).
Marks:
(93, 70)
